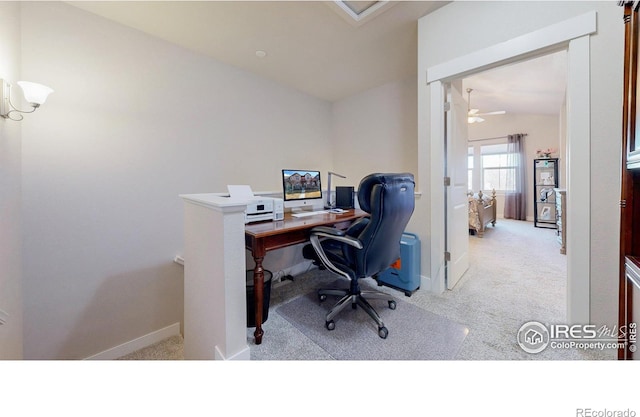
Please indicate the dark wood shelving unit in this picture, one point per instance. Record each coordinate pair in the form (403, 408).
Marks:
(629, 279)
(545, 181)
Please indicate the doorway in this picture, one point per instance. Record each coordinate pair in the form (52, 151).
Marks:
(578, 221)
(514, 258)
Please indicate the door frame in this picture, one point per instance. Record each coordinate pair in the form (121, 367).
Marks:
(572, 35)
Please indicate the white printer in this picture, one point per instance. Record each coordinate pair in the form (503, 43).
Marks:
(264, 208)
(259, 208)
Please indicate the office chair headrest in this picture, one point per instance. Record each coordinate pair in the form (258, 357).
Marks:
(371, 180)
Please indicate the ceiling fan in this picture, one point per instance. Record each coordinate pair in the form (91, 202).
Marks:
(473, 115)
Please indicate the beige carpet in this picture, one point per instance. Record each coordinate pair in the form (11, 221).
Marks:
(414, 333)
(516, 275)
(168, 349)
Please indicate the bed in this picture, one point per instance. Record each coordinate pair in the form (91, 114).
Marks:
(482, 211)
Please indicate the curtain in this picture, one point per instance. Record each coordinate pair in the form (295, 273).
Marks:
(515, 202)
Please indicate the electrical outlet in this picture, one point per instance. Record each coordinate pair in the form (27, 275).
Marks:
(3, 317)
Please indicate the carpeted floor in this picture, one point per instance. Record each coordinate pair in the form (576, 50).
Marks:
(414, 333)
(516, 275)
(168, 349)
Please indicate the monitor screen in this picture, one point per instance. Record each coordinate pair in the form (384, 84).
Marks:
(301, 184)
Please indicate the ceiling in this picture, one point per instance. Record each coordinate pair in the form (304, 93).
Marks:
(535, 86)
(320, 48)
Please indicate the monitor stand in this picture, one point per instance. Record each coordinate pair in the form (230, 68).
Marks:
(307, 205)
(301, 209)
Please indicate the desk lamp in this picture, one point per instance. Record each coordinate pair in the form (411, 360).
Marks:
(329, 205)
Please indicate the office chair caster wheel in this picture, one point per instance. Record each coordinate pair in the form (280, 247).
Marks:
(383, 332)
(322, 297)
(392, 304)
(330, 325)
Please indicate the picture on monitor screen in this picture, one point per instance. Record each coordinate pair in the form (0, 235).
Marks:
(300, 184)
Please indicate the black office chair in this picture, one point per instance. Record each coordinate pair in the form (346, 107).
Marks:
(369, 246)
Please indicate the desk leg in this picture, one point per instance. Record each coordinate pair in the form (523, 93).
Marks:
(258, 300)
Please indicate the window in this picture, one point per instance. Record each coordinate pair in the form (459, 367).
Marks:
(498, 168)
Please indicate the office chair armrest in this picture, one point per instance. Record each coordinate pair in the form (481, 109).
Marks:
(333, 234)
(337, 235)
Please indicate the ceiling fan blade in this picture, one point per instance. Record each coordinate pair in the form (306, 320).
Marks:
(473, 111)
(491, 113)
(474, 119)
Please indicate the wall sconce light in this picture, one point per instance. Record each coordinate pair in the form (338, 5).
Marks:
(36, 94)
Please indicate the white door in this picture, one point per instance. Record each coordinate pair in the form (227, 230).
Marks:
(457, 204)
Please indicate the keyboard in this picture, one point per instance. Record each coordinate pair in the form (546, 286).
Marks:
(308, 213)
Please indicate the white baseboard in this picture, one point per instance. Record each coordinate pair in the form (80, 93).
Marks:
(137, 344)
(425, 283)
(299, 268)
(243, 355)
(294, 270)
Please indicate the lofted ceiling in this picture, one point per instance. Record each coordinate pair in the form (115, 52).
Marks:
(330, 50)
(534, 86)
(312, 46)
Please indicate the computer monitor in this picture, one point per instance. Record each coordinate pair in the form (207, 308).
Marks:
(301, 188)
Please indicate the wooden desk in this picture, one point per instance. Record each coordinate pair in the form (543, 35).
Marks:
(265, 236)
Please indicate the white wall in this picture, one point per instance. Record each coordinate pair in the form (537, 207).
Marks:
(542, 132)
(10, 199)
(489, 23)
(134, 122)
(376, 131)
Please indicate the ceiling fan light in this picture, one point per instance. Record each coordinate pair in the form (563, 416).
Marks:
(474, 119)
(473, 115)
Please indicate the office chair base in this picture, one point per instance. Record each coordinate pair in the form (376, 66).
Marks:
(355, 300)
